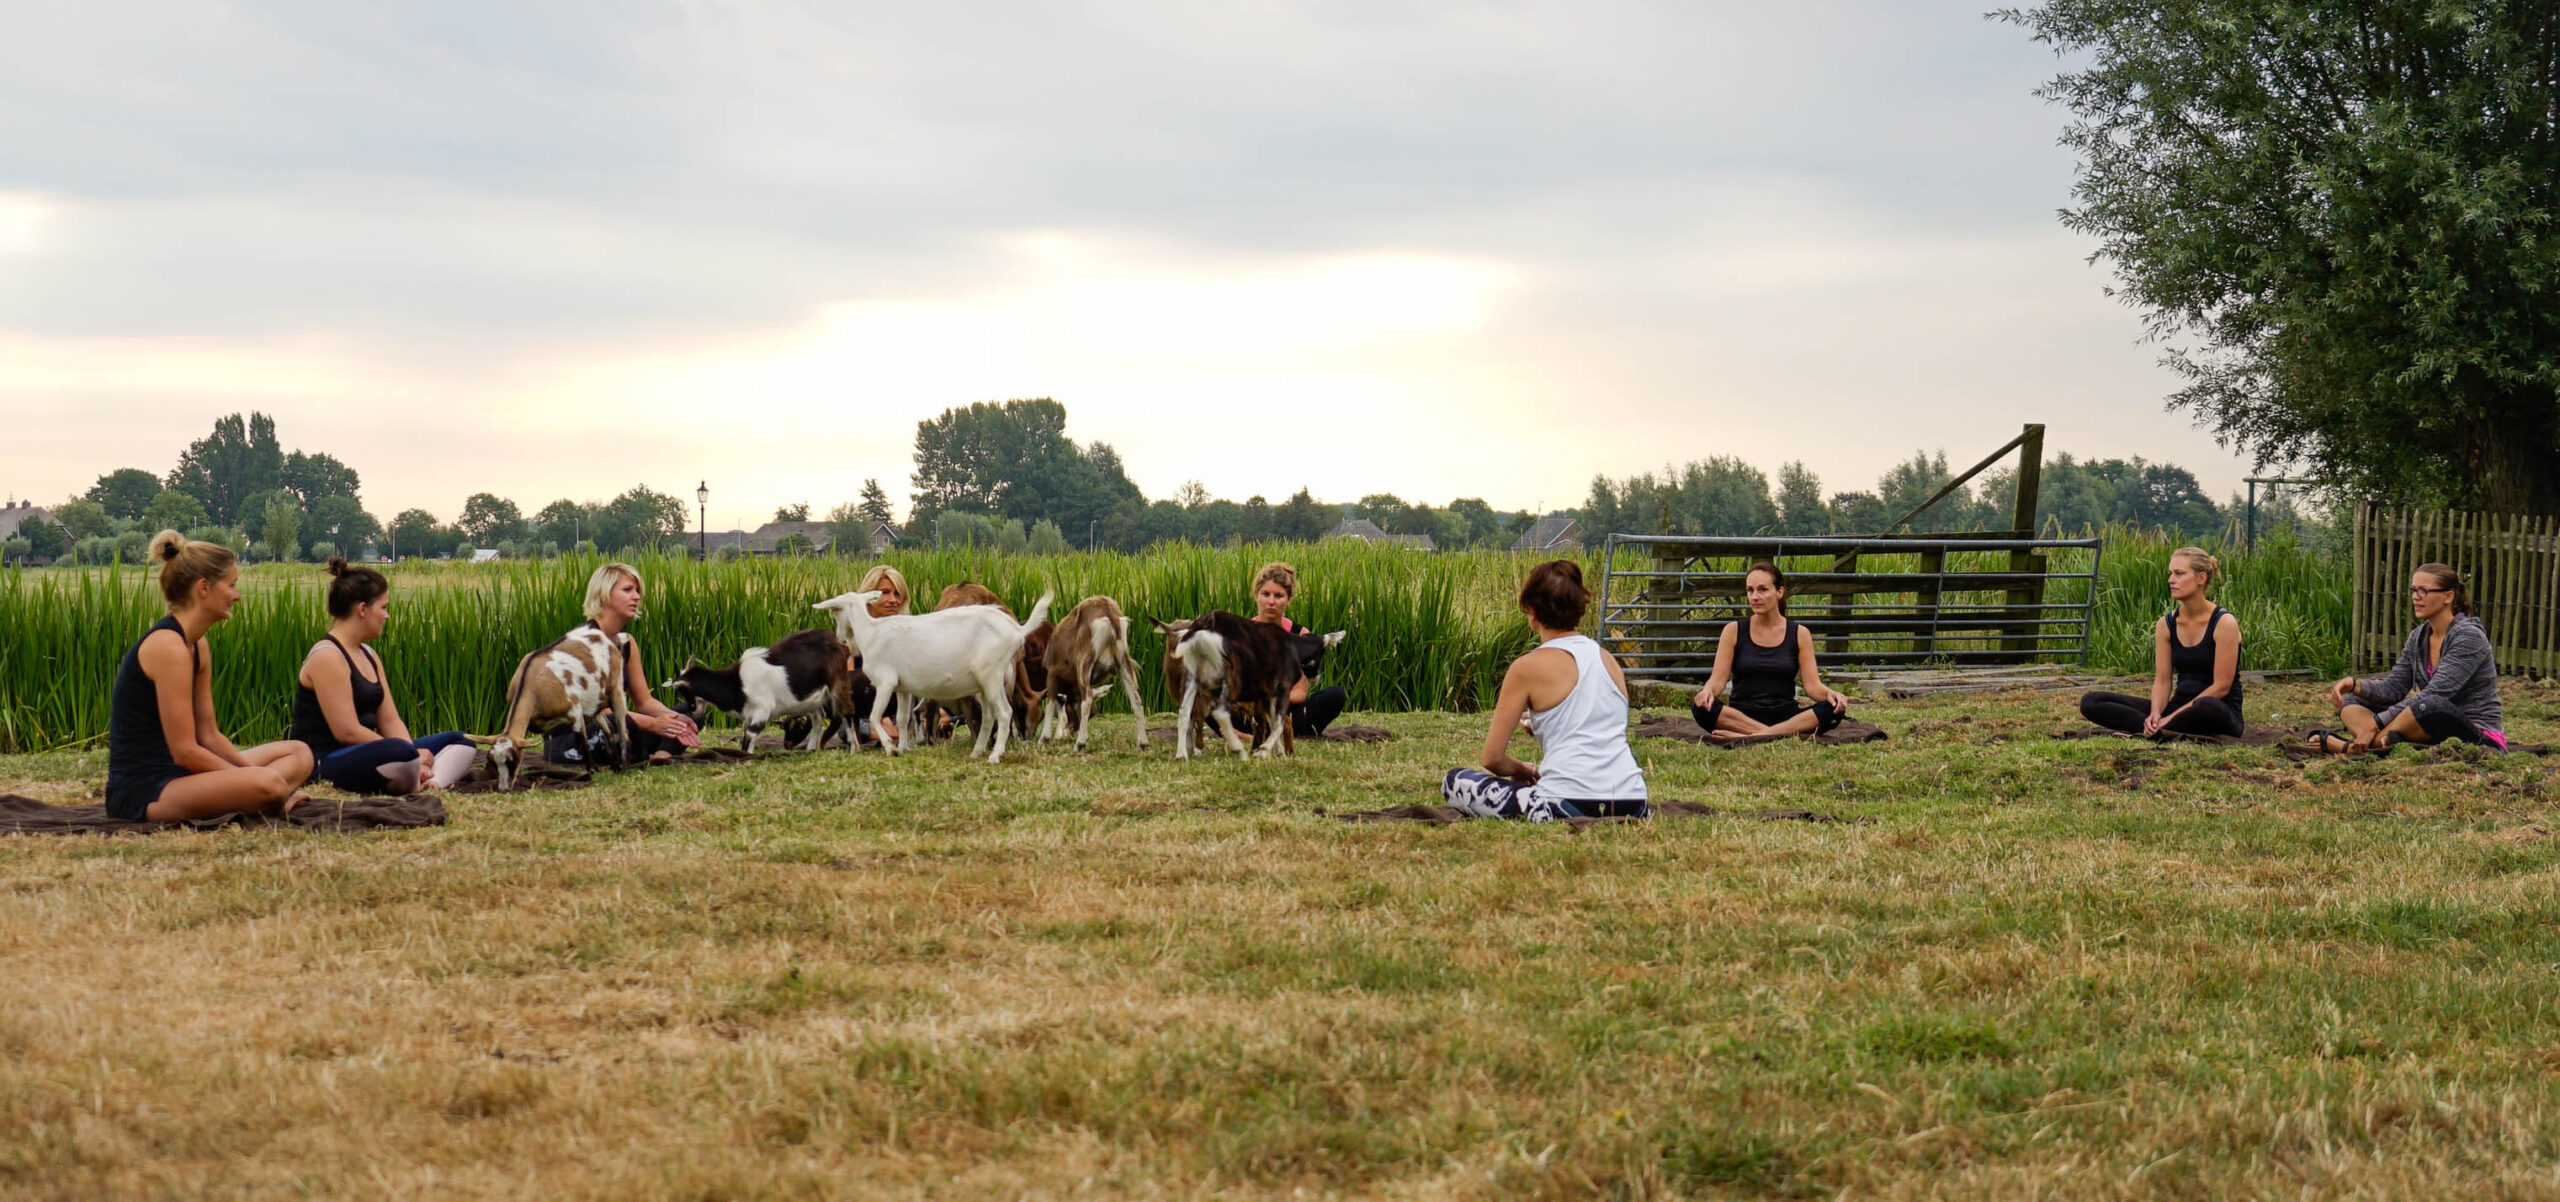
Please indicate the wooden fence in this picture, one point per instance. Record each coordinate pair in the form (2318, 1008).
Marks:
(2511, 563)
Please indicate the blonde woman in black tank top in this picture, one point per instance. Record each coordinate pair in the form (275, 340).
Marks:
(167, 759)
(2195, 676)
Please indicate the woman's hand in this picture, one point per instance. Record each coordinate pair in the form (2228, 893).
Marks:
(2338, 692)
(1704, 698)
(2152, 724)
(1523, 772)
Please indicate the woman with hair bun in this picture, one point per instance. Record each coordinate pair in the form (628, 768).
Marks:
(1762, 656)
(2444, 687)
(167, 760)
(344, 712)
(2195, 681)
(1574, 695)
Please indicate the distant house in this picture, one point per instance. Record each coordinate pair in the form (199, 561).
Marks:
(16, 515)
(883, 535)
(484, 555)
(1552, 532)
(724, 538)
(768, 538)
(1368, 532)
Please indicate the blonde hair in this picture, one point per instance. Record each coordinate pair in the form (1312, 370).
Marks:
(1276, 572)
(600, 586)
(186, 562)
(2199, 561)
(880, 572)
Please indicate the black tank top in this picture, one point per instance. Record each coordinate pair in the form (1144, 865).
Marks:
(138, 759)
(311, 727)
(2193, 666)
(1763, 677)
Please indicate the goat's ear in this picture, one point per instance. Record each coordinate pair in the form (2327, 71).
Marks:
(1334, 638)
(689, 662)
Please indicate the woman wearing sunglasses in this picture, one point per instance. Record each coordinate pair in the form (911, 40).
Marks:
(2444, 687)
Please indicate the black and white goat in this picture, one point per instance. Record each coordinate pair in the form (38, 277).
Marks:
(1227, 658)
(808, 674)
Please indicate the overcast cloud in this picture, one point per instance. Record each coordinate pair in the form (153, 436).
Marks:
(1441, 250)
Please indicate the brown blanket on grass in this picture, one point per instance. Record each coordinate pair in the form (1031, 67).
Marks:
(2293, 743)
(1662, 810)
(27, 816)
(1665, 726)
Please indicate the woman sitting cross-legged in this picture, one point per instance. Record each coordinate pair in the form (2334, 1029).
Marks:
(167, 760)
(2448, 662)
(1763, 655)
(1309, 712)
(344, 712)
(2195, 655)
(1575, 697)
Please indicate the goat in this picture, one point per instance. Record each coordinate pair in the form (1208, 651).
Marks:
(1096, 648)
(1249, 717)
(943, 656)
(573, 680)
(1030, 675)
(1239, 658)
(805, 674)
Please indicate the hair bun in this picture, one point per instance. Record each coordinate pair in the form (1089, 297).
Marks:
(337, 565)
(166, 545)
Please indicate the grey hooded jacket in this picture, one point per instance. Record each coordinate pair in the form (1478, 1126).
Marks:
(2465, 680)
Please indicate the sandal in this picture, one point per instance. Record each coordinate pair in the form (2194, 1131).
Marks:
(2321, 738)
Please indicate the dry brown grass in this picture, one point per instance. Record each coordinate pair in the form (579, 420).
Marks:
(1106, 977)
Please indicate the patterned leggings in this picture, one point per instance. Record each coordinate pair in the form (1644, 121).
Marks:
(1480, 794)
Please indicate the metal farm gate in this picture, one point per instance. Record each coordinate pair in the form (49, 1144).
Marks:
(1885, 599)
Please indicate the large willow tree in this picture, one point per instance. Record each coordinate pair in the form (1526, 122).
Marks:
(2339, 215)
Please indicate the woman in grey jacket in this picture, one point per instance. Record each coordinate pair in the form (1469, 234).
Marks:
(2444, 687)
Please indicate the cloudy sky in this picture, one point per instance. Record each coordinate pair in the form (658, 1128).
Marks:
(1442, 250)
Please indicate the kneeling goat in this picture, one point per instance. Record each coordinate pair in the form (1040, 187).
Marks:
(946, 656)
(806, 674)
(573, 681)
(1088, 649)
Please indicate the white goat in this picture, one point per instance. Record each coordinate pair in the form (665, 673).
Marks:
(947, 656)
(574, 680)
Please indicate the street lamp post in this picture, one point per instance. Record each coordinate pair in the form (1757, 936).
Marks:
(702, 496)
(1088, 534)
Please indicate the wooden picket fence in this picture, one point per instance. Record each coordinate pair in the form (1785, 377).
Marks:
(2510, 561)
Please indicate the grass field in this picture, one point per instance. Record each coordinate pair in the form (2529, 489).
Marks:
(2044, 969)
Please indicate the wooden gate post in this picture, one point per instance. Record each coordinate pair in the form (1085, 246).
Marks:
(2022, 523)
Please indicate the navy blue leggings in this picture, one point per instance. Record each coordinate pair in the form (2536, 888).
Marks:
(353, 767)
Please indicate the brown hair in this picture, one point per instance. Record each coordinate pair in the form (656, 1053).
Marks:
(1276, 572)
(186, 562)
(2198, 560)
(1777, 580)
(2446, 577)
(351, 586)
(1554, 596)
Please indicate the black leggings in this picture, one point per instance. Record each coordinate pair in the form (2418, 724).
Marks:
(2447, 727)
(1825, 714)
(1308, 718)
(2127, 713)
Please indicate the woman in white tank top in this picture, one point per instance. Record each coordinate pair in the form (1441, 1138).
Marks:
(1576, 698)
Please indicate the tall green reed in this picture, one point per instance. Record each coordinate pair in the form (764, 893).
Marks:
(1427, 631)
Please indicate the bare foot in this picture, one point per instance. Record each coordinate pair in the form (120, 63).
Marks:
(661, 757)
(294, 802)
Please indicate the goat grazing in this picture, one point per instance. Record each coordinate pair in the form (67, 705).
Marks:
(945, 656)
(574, 680)
(806, 674)
(1091, 648)
(1030, 675)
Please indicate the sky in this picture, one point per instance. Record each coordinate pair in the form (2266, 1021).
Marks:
(1440, 250)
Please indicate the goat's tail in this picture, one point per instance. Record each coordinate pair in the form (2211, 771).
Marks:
(1039, 611)
(1204, 655)
(1102, 633)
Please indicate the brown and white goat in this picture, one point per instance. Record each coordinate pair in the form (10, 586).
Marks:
(577, 681)
(1092, 646)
